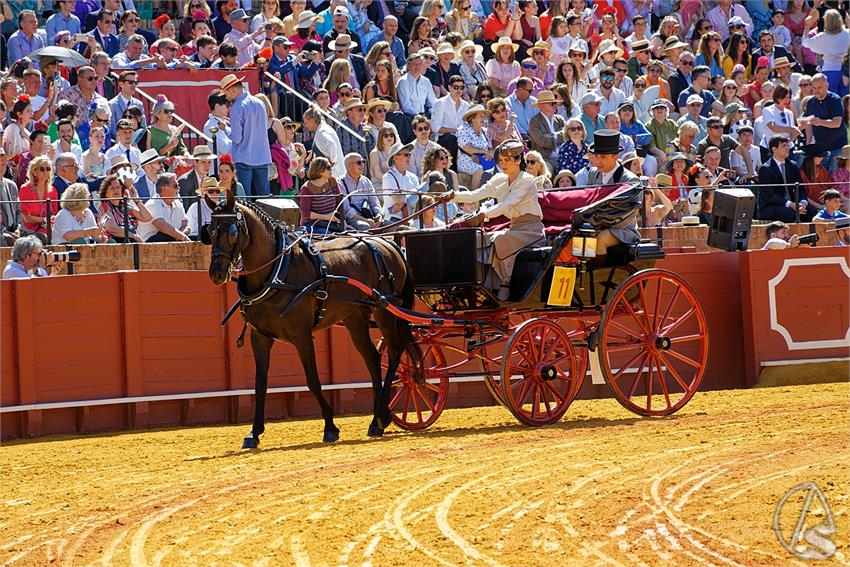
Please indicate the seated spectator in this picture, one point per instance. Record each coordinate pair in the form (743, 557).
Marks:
(151, 168)
(700, 82)
(663, 131)
(415, 92)
(778, 176)
(631, 127)
(401, 181)
(305, 30)
(428, 219)
(94, 160)
(444, 69)
(528, 69)
(129, 25)
(503, 68)
(124, 144)
(472, 67)
(501, 126)
(189, 182)
(379, 160)
(711, 161)
(33, 195)
(75, 223)
(25, 260)
(521, 105)
(161, 135)
(84, 93)
(168, 219)
(840, 177)
(735, 118)
(831, 210)
(194, 10)
(65, 143)
(227, 54)
(126, 98)
(705, 205)
(202, 50)
(67, 172)
(564, 179)
(777, 237)
(11, 216)
(322, 207)
(364, 210)
(421, 144)
(632, 162)
(297, 154)
(133, 56)
(746, 172)
(718, 139)
(112, 192)
(383, 85)
(39, 146)
(227, 176)
(815, 176)
(436, 167)
(694, 116)
(448, 114)
(677, 168)
(546, 129)
(100, 118)
(657, 205)
(473, 146)
(684, 143)
(199, 212)
(571, 154)
(16, 138)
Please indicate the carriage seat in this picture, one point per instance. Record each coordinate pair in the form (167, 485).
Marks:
(530, 261)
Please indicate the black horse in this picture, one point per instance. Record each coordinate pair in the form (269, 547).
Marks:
(291, 286)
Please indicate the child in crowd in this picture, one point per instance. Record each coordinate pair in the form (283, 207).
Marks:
(831, 209)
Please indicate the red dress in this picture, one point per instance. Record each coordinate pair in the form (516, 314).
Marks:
(37, 207)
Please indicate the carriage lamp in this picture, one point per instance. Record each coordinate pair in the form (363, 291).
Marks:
(584, 242)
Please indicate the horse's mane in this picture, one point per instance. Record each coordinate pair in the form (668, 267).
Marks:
(270, 224)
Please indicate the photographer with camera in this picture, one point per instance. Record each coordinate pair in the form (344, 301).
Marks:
(778, 238)
(27, 261)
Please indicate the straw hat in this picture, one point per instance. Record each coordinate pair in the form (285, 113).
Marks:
(202, 151)
(538, 46)
(640, 45)
(342, 43)
(781, 62)
(427, 52)
(376, 102)
(564, 173)
(119, 161)
(473, 110)
(629, 157)
(503, 42)
(445, 49)
(150, 156)
(307, 19)
(469, 44)
(398, 147)
(608, 46)
(229, 81)
(355, 103)
(676, 157)
(207, 183)
(546, 97)
(673, 42)
(286, 121)
(664, 180)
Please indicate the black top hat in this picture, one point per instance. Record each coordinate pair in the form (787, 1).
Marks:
(606, 142)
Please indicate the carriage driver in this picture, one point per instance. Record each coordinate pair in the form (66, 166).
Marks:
(516, 195)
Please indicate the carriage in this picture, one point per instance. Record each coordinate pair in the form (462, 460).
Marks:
(638, 328)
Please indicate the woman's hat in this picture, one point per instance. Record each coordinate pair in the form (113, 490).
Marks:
(781, 62)
(629, 157)
(626, 104)
(659, 103)
(354, 103)
(503, 42)
(398, 147)
(845, 153)
(640, 45)
(119, 161)
(564, 173)
(763, 62)
(733, 107)
(606, 142)
(664, 180)
(608, 46)
(286, 121)
(813, 150)
(546, 97)
(229, 81)
(675, 157)
(673, 42)
(538, 46)
(150, 156)
(445, 49)
(207, 183)
(307, 19)
(469, 44)
(202, 151)
(342, 43)
(375, 102)
(473, 110)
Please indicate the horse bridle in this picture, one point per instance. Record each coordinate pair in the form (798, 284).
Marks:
(235, 221)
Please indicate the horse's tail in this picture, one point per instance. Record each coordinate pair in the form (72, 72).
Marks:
(405, 332)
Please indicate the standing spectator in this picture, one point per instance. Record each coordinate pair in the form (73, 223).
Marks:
(421, 144)
(126, 98)
(415, 93)
(102, 37)
(724, 12)
(777, 176)
(161, 134)
(831, 44)
(305, 30)
(33, 195)
(62, 20)
(239, 36)
(75, 223)
(355, 113)
(825, 114)
(11, 216)
(26, 39)
(547, 129)
(218, 119)
(168, 219)
(248, 123)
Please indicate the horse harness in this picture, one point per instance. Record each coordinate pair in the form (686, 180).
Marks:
(277, 277)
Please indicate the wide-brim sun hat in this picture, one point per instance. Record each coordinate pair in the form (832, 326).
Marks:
(564, 173)
(398, 147)
(120, 161)
(673, 42)
(229, 81)
(202, 152)
(546, 97)
(676, 157)
(376, 102)
(307, 19)
(207, 183)
(355, 103)
(445, 49)
(342, 43)
(150, 156)
(608, 46)
(469, 44)
(629, 157)
(473, 110)
(503, 42)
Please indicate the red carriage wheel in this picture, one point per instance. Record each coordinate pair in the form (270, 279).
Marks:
(653, 343)
(417, 406)
(538, 372)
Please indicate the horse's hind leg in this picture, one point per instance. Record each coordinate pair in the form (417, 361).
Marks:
(261, 345)
(358, 328)
(306, 351)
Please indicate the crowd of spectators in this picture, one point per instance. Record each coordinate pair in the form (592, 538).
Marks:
(383, 97)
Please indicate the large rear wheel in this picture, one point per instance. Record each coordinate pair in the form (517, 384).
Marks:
(653, 343)
(418, 405)
(538, 376)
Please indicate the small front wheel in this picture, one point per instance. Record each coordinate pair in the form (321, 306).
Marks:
(538, 376)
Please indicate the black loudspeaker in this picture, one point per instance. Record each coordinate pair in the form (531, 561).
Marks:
(444, 258)
(285, 210)
(731, 218)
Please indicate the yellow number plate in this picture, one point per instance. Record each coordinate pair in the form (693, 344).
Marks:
(563, 284)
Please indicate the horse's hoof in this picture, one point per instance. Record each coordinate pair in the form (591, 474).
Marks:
(331, 436)
(384, 419)
(250, 442)
(375, 430)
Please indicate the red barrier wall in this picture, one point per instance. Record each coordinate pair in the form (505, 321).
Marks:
(152, 333)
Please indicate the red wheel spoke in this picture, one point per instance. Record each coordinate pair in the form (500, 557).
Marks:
(406, 404)
(674, 340)
(669, 308)
(626, 330)
(425, 399)
(398, 394)
(529, 362)
(416, 405)
(649, 385)
(669, 328)
(545, 399)
(674, 373)
(657, 304)
(433, 387)
(642, 290)
(558, 361)
(535, 402)
(532, 350)
(637, 375)
(626, 365)
(558, 397)
(523, 392)
(684, 358)
(662, 381)
(542, 342)
(618, 348)
(522, 369)
(634, 316)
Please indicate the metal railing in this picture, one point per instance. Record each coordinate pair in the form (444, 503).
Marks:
(190, 136)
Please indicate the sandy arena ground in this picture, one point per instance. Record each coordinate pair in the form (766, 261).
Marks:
(601, 487)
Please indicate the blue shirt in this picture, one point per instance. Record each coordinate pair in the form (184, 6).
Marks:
(708, 99)
(827, 109)
(524, 112)
(715, 67)
(823, 214)
(16, 271)
(397, 47)
(19, 46)
(57, 23)
(248, 131)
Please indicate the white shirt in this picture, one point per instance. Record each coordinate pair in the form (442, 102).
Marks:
(75, 149)
(245, 45)
(192, 215)
(418, 154)
(173, 215)
(415, 96)
(736, 162)
(37, 102)
(447, 115)
(611, 103)
(327, 142)
(65, 222)
(778, 118)
(394, 180)
(222, 137)
(514, 200)
(119, 150)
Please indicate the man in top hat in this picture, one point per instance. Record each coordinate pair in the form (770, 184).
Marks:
(639, 60)
(341, 20)
(152, 167)
(355, 113)
(202, 160)
(249, 141)
(240, 36)
(609, 171)
(546, 128)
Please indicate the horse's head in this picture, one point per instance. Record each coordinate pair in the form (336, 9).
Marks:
(227, 233)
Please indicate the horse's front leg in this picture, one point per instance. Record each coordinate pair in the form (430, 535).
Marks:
(261, 345)
(306, 351)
